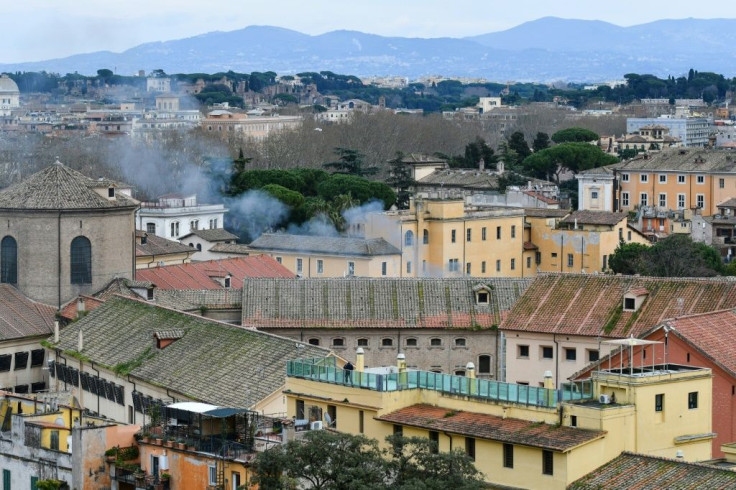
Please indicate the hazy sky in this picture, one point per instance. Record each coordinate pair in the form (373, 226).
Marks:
(45, 29)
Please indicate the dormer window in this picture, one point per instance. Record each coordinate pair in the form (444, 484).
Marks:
(482, 294)
(483, 297)
(634, 298)
(149, 294)
(111, 192)
(227, 282)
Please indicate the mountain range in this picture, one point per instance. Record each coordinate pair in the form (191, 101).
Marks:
(546, 49)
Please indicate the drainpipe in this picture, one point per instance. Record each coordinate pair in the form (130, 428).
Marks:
(449, 437)
(58, 263)
(557, 359)
(92, 365)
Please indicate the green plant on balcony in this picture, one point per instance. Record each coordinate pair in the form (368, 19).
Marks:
(165, 476)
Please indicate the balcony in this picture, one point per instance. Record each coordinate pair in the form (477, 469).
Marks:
(388, 380)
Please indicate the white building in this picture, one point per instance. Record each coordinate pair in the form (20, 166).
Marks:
(175, 215)
(9, 96)
(158, 84)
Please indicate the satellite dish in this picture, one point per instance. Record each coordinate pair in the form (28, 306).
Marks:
(328, 419)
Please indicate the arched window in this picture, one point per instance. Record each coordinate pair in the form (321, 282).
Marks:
(425, 237)
(81, 261)
(9, 260)
(409, 238)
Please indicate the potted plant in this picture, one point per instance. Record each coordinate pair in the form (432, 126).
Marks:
(146, 437)
(168, 442)
(157, 440)
(180, 444)
(190, 445)
(111, 454)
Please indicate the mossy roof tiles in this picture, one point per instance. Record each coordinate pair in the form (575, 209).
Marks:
(212, 362)
(22, 317)
(377, 303)
(592, 305)
(650, 472)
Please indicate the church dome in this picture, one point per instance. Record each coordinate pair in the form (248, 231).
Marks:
(7, 85)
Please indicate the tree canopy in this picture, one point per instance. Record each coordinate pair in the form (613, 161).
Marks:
(350, 162)
(401, 180)
(675, 256)
(550, 162)
(336, 461)
(571, 135)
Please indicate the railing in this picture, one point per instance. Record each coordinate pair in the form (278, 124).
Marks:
(444, 383)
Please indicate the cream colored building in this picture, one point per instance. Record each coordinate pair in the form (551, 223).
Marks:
(222, 121)
(325, 256)
(446, 238)
(519, 436)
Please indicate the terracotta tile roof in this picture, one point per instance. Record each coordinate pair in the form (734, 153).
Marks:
(377, 303)
(680, 160)
(545, 213)
(212, 362)
(483, 426)
(199, 275)
(541, 197)
(59, 187)
(650, 472)
(213, 235)
(22, 317)
(708, 333)
(334, 245)
(71, 309)
(730, 203)
(156, 245)
(594, 218)
(530, 246)
(580, 304)
(232, 248)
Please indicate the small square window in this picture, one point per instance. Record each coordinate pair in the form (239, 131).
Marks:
(547, 352)
(387, 342)
(624, 177)
(680, 179)
(338, 342)
(411, 342)
(629, 304)
(483, 297)
(692, 400)
(460, 342)
(435, 342)
(571, 354)
(662, 178)
(313, 341)
(362, 342)
(644, 177)
(524, 351)
(700, 179)
(593, 355)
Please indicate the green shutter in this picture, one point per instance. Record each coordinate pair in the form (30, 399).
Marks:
(6, 479)
(34, 481)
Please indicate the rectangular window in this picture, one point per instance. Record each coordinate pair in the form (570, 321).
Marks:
(434, 437)
(54, 442)
(537, 258)
(513, 231)
(213, 475)
(299, 266)
(468, 234)
(571, 354)
(320, 266)
(452, 236)
(624, 177)
(700, 179)
(498, 233)
(625, 199)
(498, 266)
(547, 352)
(548, 462)
(643, 199)
(6, 479)
(300, 409)
(593, 355)
(483, 267)
(470, 447)
(573, 421)
(524, 351)
(570, 260)
(662, 200)
(361, 421)
(659, 402)
(692, 400)
(279, 259)
(508, 455)
(662, 178)
(483, 233)
(700, 200)
(383, 268)
(681, 201)
(408, 267)
(21, 360)
(528, 262)
(513, 264)
(398, 430)
(680, 179)
(453, 265)
(467, 268)
(644, 177)
(721, 183)
(151, 228)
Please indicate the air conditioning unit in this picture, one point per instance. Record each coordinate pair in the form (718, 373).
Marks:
(604, 399)
(316, 425)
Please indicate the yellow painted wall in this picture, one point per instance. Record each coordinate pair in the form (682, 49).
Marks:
(337, 266)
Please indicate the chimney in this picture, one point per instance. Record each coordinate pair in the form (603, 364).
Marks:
(80, 341)
(549, 387)
(360, 360)
(549, 384)
(576, 224)
(403, 378)
(500, 167)
(481, 165)
(56, 331)
(81, 306)
(470, 373)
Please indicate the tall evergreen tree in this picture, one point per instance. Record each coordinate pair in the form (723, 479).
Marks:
(401, 180)
(350, 162)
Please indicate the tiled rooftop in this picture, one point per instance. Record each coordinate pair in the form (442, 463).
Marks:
(680, 160)
(212, 362)
(336, 245)
(594, 218)
(377, 303)
(213, 235)
(156, 245)
(59, 187)
(199, 275)
(638, 471)
(483, 426)
(574, 304)
(22, 317)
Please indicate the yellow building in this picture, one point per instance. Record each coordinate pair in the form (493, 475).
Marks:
(331, 256)
(445, 238)
(154, 251)
(582, 241)
(519, 436)
(678, 178)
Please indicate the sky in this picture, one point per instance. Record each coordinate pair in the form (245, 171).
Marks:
(36, 30)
